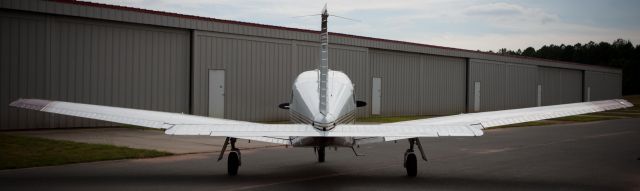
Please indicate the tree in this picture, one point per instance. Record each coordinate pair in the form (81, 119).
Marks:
(530, 51)
(620, 53)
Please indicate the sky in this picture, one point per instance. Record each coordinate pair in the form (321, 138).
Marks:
(469, 24)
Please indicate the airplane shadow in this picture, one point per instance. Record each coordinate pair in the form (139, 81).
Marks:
(309, 178)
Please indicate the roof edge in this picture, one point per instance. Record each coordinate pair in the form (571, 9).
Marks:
(163, 13)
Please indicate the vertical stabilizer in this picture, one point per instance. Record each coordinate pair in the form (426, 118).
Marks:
(323, 68)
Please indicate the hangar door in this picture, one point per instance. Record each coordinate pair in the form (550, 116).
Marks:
(417, 84)
(497, 85)
(560, 85)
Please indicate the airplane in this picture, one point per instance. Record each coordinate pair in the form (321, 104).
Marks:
(323, 110)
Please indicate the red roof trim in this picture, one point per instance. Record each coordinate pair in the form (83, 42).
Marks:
(118, 7)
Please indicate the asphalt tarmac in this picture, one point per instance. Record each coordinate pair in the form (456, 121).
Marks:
(589, 156)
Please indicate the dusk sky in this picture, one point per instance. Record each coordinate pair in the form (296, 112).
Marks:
(475, 25)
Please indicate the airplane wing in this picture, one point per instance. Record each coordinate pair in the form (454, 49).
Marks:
(483, 120)
(143, 118)
(182, 124)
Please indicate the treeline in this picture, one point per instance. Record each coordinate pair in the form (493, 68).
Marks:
(620, 54)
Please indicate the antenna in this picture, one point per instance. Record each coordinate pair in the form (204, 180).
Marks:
(305, 16)
(345, 18)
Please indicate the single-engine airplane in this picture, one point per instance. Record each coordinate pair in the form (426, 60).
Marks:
(323, 107)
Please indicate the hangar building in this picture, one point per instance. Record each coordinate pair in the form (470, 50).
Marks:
(128, 57)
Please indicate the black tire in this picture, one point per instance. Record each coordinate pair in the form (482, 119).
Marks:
(233, 162)
(321, 154)
(411, 164)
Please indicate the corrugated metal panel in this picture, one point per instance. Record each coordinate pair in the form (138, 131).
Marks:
(502, 85)
(258, 75)
(560, 85)
(245, 29)
(91, 62)
(602, 85)
(22, 74)
(415, 84)
(260, 72)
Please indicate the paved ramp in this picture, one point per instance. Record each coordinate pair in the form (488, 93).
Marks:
(589, 156)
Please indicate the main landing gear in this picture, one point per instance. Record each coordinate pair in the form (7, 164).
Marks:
(321, 152)
(410, 159)
(233, 160)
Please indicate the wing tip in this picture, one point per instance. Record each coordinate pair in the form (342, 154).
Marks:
(626, 103)
(34, 104)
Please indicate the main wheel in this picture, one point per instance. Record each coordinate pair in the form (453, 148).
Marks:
(411, 164)
(233, 163)
(320, 154)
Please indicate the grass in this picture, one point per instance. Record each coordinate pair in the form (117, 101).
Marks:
(23, 152)
(586, 118)
(527, 124)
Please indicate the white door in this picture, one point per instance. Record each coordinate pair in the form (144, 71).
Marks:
(216, 93)
(476, 96)
(376, 93)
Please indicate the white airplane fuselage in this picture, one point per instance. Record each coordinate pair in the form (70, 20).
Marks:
(304, 107)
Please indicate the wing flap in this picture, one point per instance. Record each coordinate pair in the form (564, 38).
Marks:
(305, 130)
(247, 130)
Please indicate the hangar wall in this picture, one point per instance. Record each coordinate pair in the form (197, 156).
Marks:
(260, 71)
(560, 85)
(86, 61)
(602, 85)
(419, 84)
(501, 85)
(127, 57)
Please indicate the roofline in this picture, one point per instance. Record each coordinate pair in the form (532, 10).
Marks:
(163, 13)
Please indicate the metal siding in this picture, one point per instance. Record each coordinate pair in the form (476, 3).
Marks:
(603, 85)
(146, 55)
(251, 67)
(502, 85)
(491, 76)
(521, 86)
(155, 19)
(416, 84)
(260, 72)
(22, 38)
(87, 61)
(560, 86)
